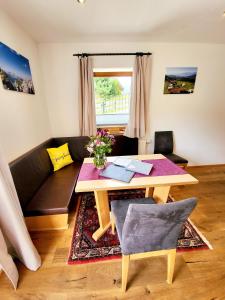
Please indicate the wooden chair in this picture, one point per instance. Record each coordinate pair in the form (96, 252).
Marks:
(146, 229)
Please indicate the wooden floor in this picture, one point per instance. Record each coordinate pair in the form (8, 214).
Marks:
(198, 275)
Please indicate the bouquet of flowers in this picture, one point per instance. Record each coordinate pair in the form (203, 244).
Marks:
(100, 145)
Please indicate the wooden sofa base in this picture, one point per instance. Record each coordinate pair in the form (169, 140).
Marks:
(48, 222)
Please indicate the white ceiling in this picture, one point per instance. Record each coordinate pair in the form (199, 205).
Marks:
(121, 20)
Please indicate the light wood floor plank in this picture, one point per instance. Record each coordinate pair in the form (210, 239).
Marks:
(198, 275)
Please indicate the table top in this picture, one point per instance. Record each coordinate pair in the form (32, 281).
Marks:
(87, 184)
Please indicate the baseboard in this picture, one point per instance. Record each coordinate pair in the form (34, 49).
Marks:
(48, 222)
(203, 166)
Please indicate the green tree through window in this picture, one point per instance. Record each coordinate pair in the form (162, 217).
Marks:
(107, 87)
(112, 97)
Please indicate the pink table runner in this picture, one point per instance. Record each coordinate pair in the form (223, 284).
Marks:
(161, 167)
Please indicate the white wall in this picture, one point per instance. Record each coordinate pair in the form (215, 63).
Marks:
(198, 120)
(24, 121)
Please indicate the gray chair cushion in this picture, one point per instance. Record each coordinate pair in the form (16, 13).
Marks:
(143, 226)
(154, 227)
(119, 209)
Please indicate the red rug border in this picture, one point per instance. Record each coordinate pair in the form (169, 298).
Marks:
(74, 230)
(115, 257)
(93, 260)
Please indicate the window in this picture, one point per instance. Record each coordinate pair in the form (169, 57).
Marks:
(112, 97)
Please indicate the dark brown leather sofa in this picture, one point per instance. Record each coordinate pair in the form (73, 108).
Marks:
(46, 196)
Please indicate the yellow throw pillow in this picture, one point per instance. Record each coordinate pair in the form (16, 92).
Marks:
(60, 156)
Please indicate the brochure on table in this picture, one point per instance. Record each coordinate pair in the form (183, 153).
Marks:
(134, 165)
(123, 169)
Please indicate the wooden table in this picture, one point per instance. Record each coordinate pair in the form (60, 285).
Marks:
(101, 186)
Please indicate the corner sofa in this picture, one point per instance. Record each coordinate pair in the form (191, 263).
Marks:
(46, 196)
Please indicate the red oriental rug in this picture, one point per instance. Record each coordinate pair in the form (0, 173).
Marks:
(84, 249)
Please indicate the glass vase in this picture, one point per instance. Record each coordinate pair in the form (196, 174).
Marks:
(100, 161)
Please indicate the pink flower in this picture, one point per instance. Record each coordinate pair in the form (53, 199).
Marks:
(97, 142)
(89, 149)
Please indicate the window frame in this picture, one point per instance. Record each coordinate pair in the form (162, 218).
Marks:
(115, 128)
(113, 74)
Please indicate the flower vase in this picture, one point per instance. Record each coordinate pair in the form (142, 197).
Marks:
(100, 161)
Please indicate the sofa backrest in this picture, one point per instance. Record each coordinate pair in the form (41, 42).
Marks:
(122, 146)
(125, 146)
(30, 170)
(76, 146)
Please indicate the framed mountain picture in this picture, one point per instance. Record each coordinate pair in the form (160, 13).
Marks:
(15, 71)
(180, 80)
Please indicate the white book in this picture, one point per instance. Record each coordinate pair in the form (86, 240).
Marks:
(117, 172)
(139, 167)
(134, 165)
(122, 161)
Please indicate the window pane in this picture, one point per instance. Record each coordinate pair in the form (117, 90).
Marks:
(112, 99)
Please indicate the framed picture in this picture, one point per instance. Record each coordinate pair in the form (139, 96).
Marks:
(180, 80)
(15, 71)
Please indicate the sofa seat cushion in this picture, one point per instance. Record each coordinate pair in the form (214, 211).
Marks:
(176, 159)
(55, 194)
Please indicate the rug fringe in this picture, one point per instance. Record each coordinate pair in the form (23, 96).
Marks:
(196, 229)
(201, 235)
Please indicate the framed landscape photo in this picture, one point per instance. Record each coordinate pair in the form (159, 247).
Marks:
(15, 71)
(180, 80)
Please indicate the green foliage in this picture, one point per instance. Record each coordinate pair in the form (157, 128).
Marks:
(107, 87)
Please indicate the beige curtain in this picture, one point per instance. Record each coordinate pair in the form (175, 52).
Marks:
(138, 125)
(13, 233)
(86, 97)
(7, 263)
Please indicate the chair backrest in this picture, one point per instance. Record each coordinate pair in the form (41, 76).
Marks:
(152, 227)
(163, 142)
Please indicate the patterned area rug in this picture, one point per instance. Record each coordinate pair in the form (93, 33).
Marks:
(84, 249)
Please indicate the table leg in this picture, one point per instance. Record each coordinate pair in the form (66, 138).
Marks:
(102, 205)
(160, 194)
(148, 192)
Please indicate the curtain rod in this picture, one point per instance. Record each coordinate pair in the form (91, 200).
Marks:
(111, 54)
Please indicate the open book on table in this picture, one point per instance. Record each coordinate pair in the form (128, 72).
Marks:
(134, 165)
